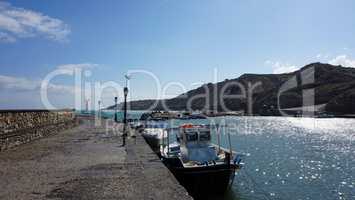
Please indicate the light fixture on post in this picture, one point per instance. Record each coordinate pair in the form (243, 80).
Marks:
(116, 109)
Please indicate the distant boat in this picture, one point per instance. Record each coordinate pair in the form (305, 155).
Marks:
(154, 137)
(165, 115)
(201, 167)
(192, 116)
(158, 116)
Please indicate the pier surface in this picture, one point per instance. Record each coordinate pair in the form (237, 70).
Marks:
(86, 162)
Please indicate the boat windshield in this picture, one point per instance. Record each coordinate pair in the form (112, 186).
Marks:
(191, 136)
(175, 148)
(205, 136)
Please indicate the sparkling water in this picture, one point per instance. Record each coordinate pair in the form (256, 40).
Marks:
(288, 158)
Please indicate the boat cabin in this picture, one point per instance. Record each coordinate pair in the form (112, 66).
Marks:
(195, 144)
(194, 134)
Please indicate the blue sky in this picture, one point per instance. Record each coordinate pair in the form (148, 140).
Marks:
(177, 40)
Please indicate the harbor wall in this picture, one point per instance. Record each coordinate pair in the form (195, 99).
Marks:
(22, 126)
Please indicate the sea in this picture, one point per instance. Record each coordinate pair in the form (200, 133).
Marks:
(286, 157)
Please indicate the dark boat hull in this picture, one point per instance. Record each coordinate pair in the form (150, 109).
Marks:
(153, 142)
(202, 181)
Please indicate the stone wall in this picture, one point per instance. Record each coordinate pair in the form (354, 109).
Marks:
(21, 126)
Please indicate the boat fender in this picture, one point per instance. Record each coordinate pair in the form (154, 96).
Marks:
(237, 159)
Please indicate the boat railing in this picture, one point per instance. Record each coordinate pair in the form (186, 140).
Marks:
(178, 127)
(224, 149)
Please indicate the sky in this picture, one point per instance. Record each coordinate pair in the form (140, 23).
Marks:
(167, 46)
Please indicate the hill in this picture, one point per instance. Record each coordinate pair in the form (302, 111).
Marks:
(332, 86)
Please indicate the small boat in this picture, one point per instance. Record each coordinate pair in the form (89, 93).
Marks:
(201, 167)
(192, 116)
(154, 137)
(188, 116)
(158, 116)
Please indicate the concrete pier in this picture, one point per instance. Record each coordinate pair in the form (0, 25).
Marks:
(86, 162)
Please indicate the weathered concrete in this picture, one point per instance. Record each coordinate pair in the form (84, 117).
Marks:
(22, 126)
(86, 163)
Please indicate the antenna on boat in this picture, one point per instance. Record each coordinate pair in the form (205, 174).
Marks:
(218, 140)
(230, 144)
(167, 137)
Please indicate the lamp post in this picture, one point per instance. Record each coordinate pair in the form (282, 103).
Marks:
(116, 109)
(125, 92)
(87, 105)
(99, 111)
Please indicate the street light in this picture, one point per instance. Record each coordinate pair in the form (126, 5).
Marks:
(99, 111)
(125, 92)
(116, 109)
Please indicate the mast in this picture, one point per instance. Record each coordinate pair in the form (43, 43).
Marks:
(218, 140)
(230, 145)
(167, 133)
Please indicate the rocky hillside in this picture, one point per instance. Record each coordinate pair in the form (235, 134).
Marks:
(333, 86)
